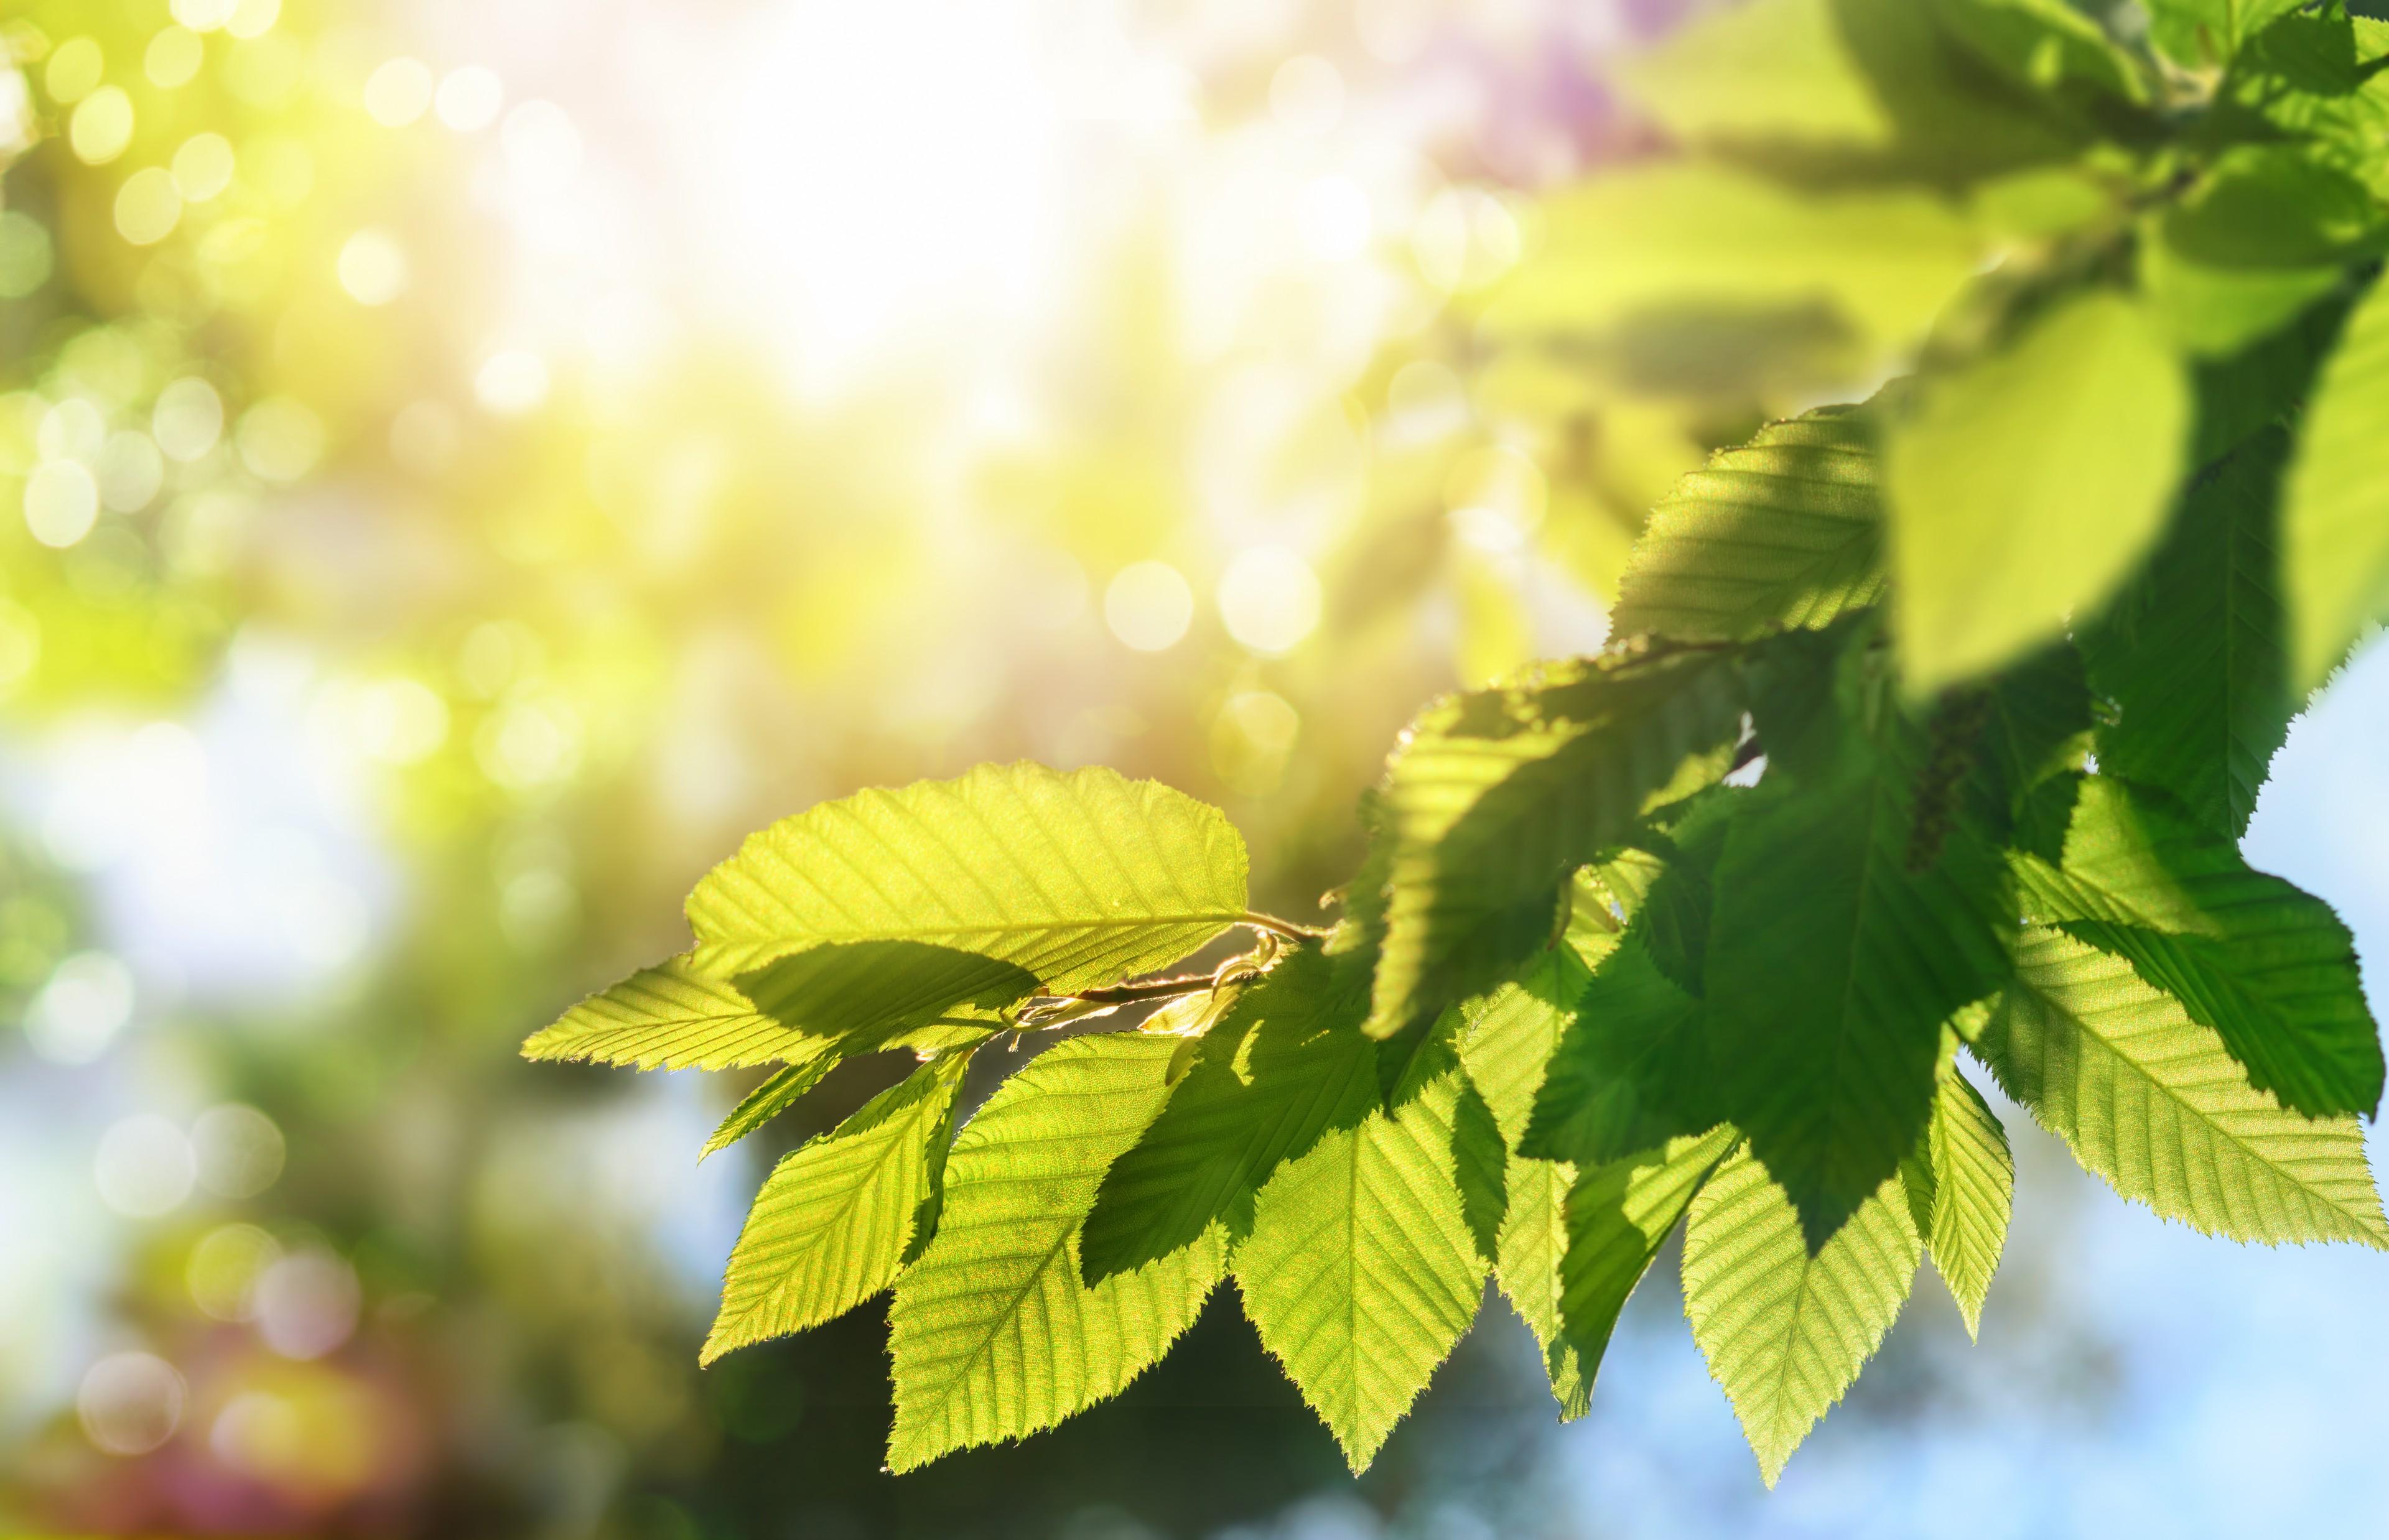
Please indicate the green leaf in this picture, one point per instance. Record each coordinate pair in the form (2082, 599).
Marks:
(674, 1016)
(1972, 1179)
(2336, 501)
(2151, 1100)
(1497, 795)
(1359, 1272)
(1285, 1065)
(1630, 1069)
(1512, 1031)
(1532, 1243)
(1844, 89)
(836, 1218)
(2193, 656)
(1618, 1217)
(994, 1336)
(1480, 1162)
(2210, 31)
(1679, 237)
(1784, 531)
(1832, 965)
(2043, 47)
(1786, 1330)
(2027, 486)
(2311, 78)
(778, 1092)
(1075, 878)
(2269, 967)
(1764, 72)
(2259, 240)
(1511, 1036)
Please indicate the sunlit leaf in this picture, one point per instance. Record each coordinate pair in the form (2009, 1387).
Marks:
(2269, 967)
(1785, 1328)
(2151, 1101)
(2027, 485)
(674, 1016)
(1682, 237)
(1360, 1273)
(835, 1218)
(1075, 878)
(1786, 530)
(1972, 1177)
(993, 1333)
(1495, 797)
(2336, 501)
(779, 1091)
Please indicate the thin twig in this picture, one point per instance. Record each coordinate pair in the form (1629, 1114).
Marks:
(1286, 928)
(1159, 988)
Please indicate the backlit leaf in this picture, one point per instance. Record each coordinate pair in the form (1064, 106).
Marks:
(1786, 530)
(993, 1333)
(2336, 501)
(836, 1218)
(1785, 1330)
(1359, 1272)
(2027, 485)
(2150, 1099)
(1497, 795)
(1073, 878)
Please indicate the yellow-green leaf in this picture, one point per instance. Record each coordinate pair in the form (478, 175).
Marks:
(836, 1218)
(994, 1336)
(2028, 484)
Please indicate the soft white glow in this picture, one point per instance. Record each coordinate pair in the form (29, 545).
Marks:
(893, 166)
(1148, 606)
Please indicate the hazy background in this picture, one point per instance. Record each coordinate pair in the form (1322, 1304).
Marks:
(462, 465)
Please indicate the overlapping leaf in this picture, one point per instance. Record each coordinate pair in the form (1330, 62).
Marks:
(2150, 1099)
(1287, 1064)
(1073, 878)
(1496, 795)
(1617, 1216)
(1360, 1273)
(674, 1016)
(2335, 503)
(1833, 964)
(836, 1218)
(1786, 530)
(2193, 654)
(2027, 486)
(2270, 968)
(1968, 1173)
(780, 1091)
(1785, 1328)
(995, 1334)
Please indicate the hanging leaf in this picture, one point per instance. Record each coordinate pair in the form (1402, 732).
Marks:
(1786, 530)
(1497, 795)
(1618, 1217)
(2027, 486)
(1971, 1174)
(1287, 1064)
(2151, 1100)
(838, 1217)
(1785, 1328)
(1360, 1273)
(2336, 501)
(994, 1336)
(2192, 655)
